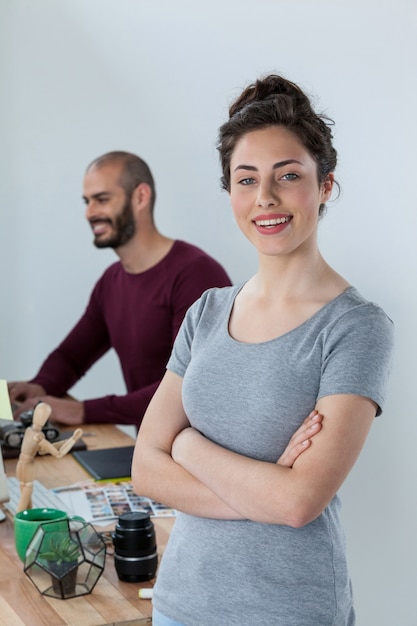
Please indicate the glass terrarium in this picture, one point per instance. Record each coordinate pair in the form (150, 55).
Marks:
(65, 559)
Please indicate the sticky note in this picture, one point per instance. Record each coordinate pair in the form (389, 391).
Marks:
(5, 407)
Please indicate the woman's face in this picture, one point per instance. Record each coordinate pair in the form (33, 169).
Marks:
(274, 191)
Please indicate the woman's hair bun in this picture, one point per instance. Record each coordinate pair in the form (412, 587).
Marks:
(266, 89)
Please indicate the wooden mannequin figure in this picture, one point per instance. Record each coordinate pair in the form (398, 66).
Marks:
(34, 442)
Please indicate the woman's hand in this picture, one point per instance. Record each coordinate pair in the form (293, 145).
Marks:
(301, 439)
(299, 442)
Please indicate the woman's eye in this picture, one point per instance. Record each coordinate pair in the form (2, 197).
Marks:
(246, 181)
(290, 176)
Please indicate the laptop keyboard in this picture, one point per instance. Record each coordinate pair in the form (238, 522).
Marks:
(41, 497)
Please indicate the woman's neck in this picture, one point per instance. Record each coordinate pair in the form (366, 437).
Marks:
(297, 278)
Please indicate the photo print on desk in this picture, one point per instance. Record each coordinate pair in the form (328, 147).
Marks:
(105, 502)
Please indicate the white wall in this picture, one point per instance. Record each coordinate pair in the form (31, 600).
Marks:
(81, 77)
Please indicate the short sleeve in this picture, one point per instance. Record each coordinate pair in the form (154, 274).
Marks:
(357, 356)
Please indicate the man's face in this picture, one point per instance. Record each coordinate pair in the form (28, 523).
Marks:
(108, 209)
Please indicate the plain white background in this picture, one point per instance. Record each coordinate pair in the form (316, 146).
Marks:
(82, 77)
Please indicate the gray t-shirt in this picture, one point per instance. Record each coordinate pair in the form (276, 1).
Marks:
(250, 398)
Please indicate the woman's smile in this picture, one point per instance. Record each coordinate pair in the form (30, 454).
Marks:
(270, 225)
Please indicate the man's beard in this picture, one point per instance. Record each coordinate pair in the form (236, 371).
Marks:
(124, 228)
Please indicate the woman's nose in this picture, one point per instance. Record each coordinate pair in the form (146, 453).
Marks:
(266, 195)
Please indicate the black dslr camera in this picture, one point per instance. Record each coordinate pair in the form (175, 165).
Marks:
(12, 433)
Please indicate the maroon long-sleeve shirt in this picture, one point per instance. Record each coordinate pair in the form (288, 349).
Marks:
(139, 316)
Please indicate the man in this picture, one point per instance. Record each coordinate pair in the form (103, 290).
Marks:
(136, 307)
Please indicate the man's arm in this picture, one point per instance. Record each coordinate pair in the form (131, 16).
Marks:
(89, 340)
(128, 409)
(85, 344)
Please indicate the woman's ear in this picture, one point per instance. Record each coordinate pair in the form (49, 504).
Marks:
(327, 187)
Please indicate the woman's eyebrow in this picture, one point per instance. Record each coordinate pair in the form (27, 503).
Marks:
(252, 168)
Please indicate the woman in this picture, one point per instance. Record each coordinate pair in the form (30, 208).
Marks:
(260, 541)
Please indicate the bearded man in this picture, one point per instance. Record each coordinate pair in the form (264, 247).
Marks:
(136, 307)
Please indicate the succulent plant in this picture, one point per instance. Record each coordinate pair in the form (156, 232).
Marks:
(61, 551)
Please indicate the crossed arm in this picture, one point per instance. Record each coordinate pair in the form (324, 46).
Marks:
(175, 464)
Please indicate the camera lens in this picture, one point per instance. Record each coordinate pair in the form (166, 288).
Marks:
(135, 556)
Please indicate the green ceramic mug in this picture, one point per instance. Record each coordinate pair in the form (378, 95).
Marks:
(27, 522)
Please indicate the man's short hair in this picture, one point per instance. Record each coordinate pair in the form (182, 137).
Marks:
(134, 171)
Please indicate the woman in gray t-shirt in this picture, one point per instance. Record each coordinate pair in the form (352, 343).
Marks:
(258, 539)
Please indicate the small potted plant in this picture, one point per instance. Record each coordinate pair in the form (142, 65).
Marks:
(62, 555)
(65, 559)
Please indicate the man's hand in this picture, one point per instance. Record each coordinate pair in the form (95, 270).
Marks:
(68, 412)
(22, 391)
(301, 439)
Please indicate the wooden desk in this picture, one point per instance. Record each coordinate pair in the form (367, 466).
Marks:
(111, 602)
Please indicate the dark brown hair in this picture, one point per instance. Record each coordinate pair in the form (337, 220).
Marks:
(273, 101)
